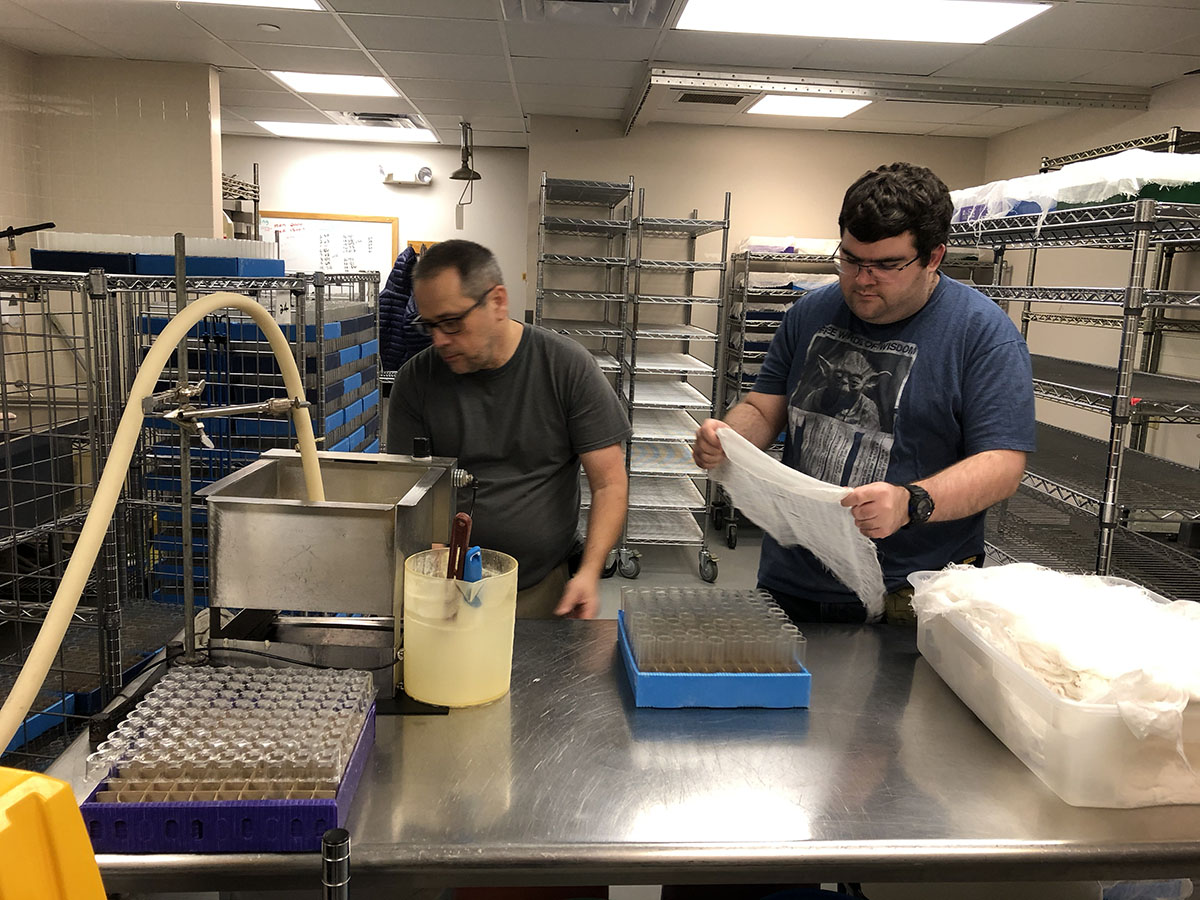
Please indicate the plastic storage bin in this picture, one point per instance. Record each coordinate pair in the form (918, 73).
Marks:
(1084, 752)
(43, 845)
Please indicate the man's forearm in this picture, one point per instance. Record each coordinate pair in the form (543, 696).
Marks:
(974, 484)
(751, 423)
(605, 521)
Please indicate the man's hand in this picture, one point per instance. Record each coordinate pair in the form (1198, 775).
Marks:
(880, 509)
(580, 599)
(707, 451)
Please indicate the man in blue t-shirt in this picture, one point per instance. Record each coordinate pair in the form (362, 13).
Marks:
(909, 387)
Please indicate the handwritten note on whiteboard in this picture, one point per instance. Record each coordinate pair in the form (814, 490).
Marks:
(324, 242)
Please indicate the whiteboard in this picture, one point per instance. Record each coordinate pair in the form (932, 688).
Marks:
(327, 242)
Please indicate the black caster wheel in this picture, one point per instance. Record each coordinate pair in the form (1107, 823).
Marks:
(629, 568)
(610, 569)
(731, 537)
(708, 569)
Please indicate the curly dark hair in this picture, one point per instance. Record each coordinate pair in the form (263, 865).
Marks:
(894, 199)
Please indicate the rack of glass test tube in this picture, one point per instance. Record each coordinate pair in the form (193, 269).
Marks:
(218, 759)
(711, 647)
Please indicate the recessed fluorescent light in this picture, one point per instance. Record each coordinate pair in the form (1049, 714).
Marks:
(800, 105)
(932, 21)
(266, 4)
(349, 85)
(331, 132)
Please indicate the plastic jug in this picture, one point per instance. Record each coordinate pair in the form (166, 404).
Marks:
(458, 635)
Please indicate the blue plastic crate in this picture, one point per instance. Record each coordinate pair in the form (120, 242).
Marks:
(673, 690)
(235, 826)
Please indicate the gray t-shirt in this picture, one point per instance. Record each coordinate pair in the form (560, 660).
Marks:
(519, 430)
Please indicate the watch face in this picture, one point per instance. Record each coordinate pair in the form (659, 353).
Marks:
(924, 509)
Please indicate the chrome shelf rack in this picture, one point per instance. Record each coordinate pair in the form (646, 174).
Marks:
(670, 372)
(1079, 492)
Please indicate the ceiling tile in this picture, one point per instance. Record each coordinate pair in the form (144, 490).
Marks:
(279, 99)
(905, 111)
(306, 59)
(469, 109)
(449, 9)
(427, 34)
(443, 66)
(1104, 26)
(199, 49)
(363, 104)
(588, 72)
(566, 42)
(124, 16)
(15, 15)
(1016, 116)
(701, 49)
(1144, 69)
(237, 23)
(241, 126)
(421, 89)
(240, 79)
(571, 111)
(54, 41)
(481, 123)
(608, 98)
(1022, 64)
(884, 57)
(969, 130)
(268, 114)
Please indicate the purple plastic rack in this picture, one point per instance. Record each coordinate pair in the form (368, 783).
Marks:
(229, 826)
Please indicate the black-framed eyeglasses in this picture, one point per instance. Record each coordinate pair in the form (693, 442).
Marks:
(450, 324)
(848, 265)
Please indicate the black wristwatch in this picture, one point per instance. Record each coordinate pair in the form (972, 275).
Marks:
(920, 505)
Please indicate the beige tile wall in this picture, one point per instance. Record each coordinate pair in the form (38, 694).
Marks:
(21, 199)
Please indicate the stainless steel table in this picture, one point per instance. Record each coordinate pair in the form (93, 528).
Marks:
(888, 777)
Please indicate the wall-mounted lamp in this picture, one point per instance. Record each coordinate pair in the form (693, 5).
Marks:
(421, 177)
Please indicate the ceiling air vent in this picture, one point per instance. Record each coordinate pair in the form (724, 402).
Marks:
(375, 119)
(710, 99)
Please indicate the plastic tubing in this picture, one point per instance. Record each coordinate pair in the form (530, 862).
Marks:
(66, 598)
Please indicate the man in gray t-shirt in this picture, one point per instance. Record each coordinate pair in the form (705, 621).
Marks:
(520, 407)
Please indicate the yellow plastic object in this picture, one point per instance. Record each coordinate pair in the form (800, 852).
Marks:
(43, 843)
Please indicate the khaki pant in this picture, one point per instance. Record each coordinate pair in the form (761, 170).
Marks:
(539, 600)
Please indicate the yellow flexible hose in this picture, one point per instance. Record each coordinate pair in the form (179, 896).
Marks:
(66, 598)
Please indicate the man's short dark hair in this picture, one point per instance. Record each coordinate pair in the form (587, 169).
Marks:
(894, 199)
(476, 266)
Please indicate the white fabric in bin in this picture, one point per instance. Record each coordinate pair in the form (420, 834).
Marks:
(798, 510)
(1088, 638)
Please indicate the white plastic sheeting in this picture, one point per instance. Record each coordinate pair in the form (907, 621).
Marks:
(798, 510)
(1091, 181)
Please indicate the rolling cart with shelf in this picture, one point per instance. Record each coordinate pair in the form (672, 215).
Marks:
(754, 314)
(583, 264)
(669, 352)
(1082, 505)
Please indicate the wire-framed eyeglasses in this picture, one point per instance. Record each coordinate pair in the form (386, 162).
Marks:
(450, 324)
(848, 265)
